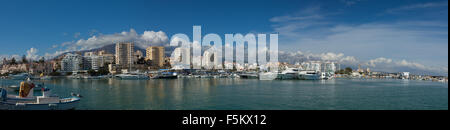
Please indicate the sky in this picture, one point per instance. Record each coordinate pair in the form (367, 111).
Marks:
(385, 35)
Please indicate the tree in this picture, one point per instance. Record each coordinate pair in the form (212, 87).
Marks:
(5, 61)
(42, 60)
(92, 72)
(24, 59)
(103, 71)
(13, 61)
(348, 70)
(55, 73)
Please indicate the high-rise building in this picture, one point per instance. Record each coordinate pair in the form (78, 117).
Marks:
(156, 55)
(72, 63)
(92, 62)
(125, 54)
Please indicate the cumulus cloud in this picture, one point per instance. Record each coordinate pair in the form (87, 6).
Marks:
(32, 54)
(154, 37)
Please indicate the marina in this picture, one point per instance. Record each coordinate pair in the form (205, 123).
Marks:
(251, 94)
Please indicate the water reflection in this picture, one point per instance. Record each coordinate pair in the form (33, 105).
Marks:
(239, 94)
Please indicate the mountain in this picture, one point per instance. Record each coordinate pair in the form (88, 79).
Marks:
(112, 50)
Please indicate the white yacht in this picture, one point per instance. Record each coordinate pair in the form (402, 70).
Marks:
(268, 76)
(309, 75)
(290, 73)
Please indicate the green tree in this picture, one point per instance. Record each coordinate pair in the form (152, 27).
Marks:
(348, 70)
(92, 72)
(54, 73)
(42, 60)
(24, 59)
(103, 71)
(13, 61)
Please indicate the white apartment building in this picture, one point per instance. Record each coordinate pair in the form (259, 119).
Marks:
(72, 63)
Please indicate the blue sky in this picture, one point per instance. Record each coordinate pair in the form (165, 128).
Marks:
(412, 33)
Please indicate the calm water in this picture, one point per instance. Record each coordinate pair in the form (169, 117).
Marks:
(238, 94)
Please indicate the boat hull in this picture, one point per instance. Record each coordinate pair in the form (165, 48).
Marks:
(52, 106)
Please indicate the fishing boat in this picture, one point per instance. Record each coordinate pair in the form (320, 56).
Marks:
(27, 101)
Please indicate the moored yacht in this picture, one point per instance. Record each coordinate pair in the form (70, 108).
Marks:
(268, 76)
(289, 73)
(309, 75)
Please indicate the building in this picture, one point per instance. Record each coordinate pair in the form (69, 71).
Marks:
(93, 62)
(156, 55)
(90, 54)
(125, 54)
(107, 58)
(405, 75)
(72, 63)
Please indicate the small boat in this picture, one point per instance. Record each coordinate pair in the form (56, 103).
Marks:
(26, 100)
(166, 75)
(21, 76)
(249, 75)
(132, 77)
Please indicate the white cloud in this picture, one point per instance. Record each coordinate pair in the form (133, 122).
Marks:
(32, 54)
(154, 37)
(424, 42)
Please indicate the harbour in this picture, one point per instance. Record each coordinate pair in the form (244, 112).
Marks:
(251, 94)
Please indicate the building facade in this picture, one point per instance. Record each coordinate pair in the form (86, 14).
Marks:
(72, 63)
(125, 54)
(156, 55)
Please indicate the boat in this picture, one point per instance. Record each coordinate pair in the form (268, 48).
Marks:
(131, 76)
(268, 76)
(249, 75)
(27, 101)
(166, 75)
(309, 75)
(21, 76)
(289, 74)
